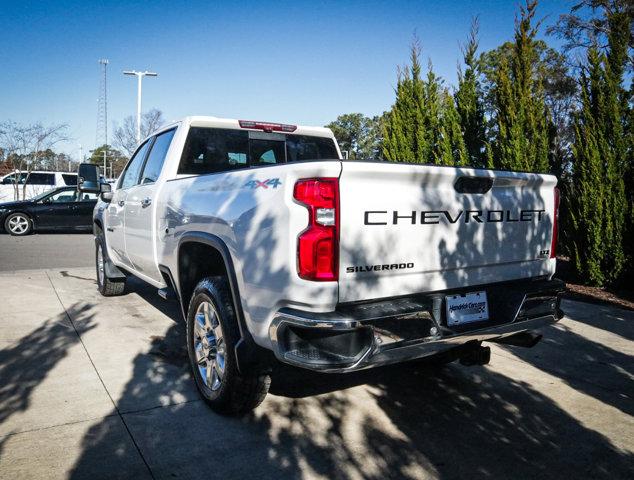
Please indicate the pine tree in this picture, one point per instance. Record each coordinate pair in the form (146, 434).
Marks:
(521, 118)
(469, 104)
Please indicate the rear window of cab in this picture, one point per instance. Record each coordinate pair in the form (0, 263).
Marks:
(212, 150)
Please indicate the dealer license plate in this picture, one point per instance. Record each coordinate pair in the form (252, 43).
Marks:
(467, 308)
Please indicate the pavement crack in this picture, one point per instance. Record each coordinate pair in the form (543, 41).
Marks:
(65, 424)
(156, 407)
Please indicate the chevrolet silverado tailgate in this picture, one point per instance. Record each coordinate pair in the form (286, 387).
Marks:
(407, 229)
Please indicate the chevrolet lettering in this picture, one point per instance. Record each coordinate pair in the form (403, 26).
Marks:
(431, 217)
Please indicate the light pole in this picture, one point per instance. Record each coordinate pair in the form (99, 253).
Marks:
(139, 76)
(81, 156)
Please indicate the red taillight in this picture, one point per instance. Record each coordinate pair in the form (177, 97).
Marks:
(553, 245)
(267, 126)
(318, 244)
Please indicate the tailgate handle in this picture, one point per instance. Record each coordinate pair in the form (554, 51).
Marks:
(473, 184)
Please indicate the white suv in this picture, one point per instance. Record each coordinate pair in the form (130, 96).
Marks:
(37, 182)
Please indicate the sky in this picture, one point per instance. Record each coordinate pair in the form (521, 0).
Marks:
(301, 62)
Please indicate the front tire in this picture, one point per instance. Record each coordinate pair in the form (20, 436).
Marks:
(18, 224)
(212, 335)
(108, 287)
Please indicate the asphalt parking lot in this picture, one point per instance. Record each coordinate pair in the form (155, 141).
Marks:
(46, 251)
(99, 388)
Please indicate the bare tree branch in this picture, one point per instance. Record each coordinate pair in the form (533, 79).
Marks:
(125, 134)
(588, 25)
(24, 145)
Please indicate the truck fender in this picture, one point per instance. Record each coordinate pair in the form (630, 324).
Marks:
(248, 354)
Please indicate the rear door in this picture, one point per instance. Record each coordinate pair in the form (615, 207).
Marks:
(409, 228)
(115, 215)
(140, 209)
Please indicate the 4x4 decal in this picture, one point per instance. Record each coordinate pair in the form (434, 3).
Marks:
(269, 182)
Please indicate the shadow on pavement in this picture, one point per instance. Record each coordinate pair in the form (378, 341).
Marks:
(587, 365)
(28, 361)
(407, 421)
(454, 422)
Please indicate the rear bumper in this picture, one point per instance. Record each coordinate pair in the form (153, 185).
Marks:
(359, 336)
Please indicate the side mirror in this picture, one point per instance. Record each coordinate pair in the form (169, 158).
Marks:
(106, 192)
(88, 178)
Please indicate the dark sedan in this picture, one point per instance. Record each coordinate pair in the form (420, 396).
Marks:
(58, 209)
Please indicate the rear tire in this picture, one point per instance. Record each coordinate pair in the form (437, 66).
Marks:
(18, 224)
(212, 335)
(107, 286)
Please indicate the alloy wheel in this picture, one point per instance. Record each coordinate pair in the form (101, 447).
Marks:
(209, 346)
(18, 224)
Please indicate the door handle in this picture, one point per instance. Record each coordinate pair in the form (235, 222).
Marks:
(146, 202)
(121, 203)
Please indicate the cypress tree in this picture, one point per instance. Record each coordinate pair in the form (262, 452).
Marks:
(600, 205)
(404, 133)
(589, 188)
(423, 125)
(453, 150)
(432, 115)
(602, 236)
(615, 151)
(469, 104)
(629, 184)
(521, 124)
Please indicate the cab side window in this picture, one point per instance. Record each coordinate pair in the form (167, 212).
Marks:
(156, 157)
(212, 150)
(133, 170)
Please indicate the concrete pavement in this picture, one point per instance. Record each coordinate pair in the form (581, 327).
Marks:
(99, 388)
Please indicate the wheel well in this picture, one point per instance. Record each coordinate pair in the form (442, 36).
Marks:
(201, 256)
(195, 262)
(26, 214)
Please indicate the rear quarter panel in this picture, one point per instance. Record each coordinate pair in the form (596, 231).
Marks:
(253, 212)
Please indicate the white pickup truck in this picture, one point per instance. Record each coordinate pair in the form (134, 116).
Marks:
(279, 250)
